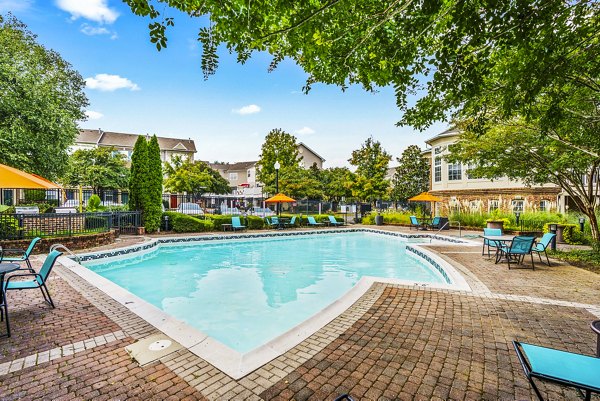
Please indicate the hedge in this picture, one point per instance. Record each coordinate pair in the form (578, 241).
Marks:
(571, 233)
(182, 223)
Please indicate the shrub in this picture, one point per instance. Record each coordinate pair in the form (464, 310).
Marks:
(571, 234)
(182, 223)
(219, 220)
(9, 227)
(34, 195)
(254, 222)
(93, 203)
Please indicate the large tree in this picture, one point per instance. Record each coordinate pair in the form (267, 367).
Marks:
(99, 168)
(279, 146)
(138, 181)
(194, 178)
(444, 51)
(41, 100)
(411, 176)
(371, 162)
(337, 182)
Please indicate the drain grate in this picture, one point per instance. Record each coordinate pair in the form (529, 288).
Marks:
(152, 348)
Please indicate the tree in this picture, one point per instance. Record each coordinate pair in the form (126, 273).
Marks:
(336, 182)
(301, 183)
(138, 182)
(442, 51)
(371, 162)
(411, 176)
(194, 178)
(99, 168)
(517, 150)
(41, 100)
(153, 208)
(279, 146)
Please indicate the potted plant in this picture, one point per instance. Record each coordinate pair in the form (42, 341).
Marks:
(495, 221)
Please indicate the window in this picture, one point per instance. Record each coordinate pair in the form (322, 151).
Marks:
(544, 205)
(517, 205)
(454, 172)
(470, 167)
(494, 204)
(249, 173)
(474, 205)
(438, 169)
(233, 176)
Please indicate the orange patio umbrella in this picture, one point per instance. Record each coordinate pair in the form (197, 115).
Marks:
(280, 198)
(426, 197)
(13, 178)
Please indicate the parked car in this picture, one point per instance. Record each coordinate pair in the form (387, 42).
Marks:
(262, 212)
(189, 208)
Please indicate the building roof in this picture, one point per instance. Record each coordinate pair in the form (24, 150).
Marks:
(453, 131)
(106, 138)
(238, 166)
(311, 151)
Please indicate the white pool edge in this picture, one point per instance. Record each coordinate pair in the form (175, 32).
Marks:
(233, 363)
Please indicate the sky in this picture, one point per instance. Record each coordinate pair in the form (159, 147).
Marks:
(134, 88)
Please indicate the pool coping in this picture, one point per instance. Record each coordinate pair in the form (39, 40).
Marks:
(235, 364)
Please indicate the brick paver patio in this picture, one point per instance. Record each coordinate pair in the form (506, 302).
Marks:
(395, 343)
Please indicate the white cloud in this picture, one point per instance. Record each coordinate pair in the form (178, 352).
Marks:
(94, 10)
(250, 109)
(97, 30)
(14, 5)
(109, 83)
(305, 131)
(93, 115)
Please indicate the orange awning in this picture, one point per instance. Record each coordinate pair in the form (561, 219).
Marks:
(280, 198)
(13, 178)
(425, 197)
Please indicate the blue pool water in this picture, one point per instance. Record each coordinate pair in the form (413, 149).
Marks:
(244, 293)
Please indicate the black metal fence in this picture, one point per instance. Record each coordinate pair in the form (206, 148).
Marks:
(531, 225)
(67, 197)
(21, 226)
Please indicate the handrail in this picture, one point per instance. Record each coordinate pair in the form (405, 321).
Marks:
(459, 228)
(57, 246)
(438, 231)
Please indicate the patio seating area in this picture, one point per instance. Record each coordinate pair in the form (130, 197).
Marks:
(396, 342)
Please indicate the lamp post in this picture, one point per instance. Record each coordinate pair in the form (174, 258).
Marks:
(581, 223)
(277, 167)
(517, 216)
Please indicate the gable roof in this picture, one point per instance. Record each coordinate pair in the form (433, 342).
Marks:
(311, 151)
(107, 138)
(450, 132)
(238, 166)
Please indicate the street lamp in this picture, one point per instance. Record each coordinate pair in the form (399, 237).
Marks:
(553, 228)
(581, 223)
(277, 167)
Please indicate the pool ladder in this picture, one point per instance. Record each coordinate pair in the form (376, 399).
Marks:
(444, 226)
(56, 247)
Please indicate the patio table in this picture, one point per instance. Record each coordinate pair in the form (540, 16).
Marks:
(5, 268)
(496, 238)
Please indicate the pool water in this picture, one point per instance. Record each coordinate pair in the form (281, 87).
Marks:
(244, 293)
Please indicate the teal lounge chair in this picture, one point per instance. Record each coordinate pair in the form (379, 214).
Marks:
(543, 245)
(236, 224)
(517, 250)
(560, 367)
(273, 223)
(312, 222)
(334, 222)
(22, 255)
(292, 222)
(488, 243)
(415, 223)
(38, 281)
(435, 223)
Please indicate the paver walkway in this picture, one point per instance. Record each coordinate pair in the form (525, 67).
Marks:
(396, 343)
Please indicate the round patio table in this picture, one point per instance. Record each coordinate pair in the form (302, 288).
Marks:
(595, 325)
(5, 268)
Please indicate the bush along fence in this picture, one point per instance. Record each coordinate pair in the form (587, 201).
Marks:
(22, 226)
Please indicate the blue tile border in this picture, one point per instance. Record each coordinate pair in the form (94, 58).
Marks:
(431, 261)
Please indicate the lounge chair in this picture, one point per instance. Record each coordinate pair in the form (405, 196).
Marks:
(517, 250)
(414, 222)
(488, 243)
(23, 255)
(236, 224)
(435, 223)
(292, 222)
(312, 222)
(334, 222)
(273, 223)
(560, 367)
(543, 245)
(38, 281)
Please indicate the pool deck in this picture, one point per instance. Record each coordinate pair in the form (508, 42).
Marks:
(395, 342)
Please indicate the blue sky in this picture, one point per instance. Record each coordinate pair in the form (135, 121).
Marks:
(136, 89)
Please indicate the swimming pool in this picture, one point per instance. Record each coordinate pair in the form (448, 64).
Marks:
(245, 293)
